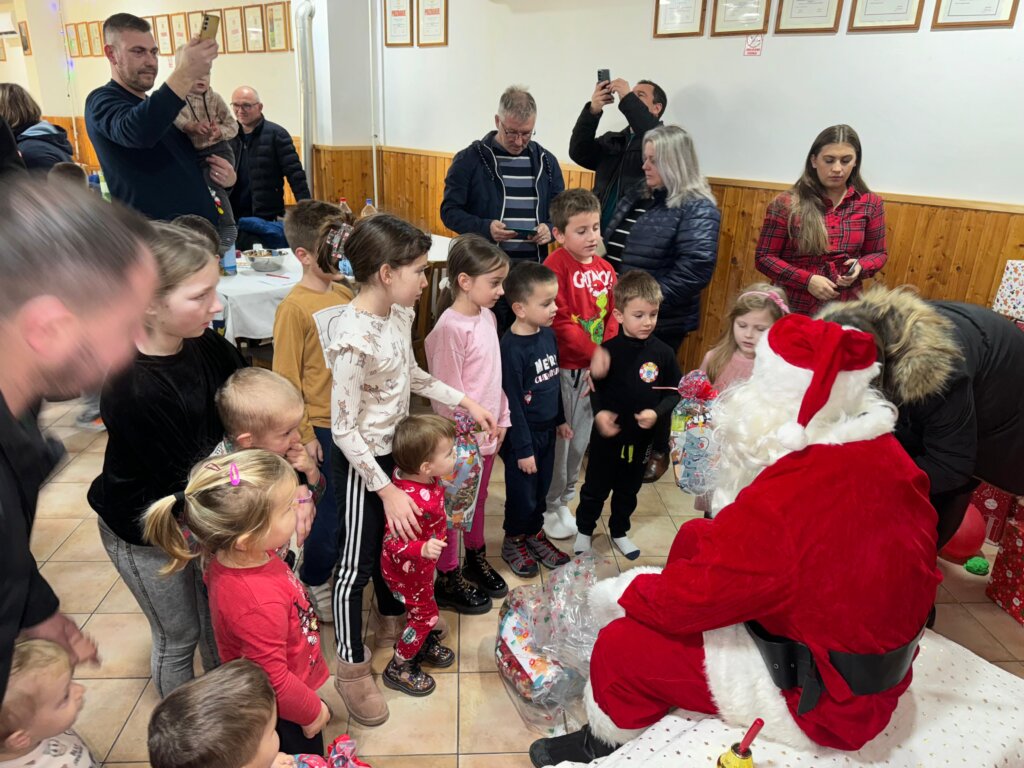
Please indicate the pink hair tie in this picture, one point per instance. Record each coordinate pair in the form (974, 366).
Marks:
(772, 296)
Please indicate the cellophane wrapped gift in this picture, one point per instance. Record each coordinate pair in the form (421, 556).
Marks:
(691, 447)
(1009, 298)
(996, 507)
(341, 754)
(545, 638)
(462, 487)
(1006, 587)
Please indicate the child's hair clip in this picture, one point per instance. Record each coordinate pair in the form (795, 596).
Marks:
(212, 467)
(233, 474)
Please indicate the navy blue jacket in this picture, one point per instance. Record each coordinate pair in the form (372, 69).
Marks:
(149, 164)
(678, 247)
(474, 195)
(269, 158)
(42, 146)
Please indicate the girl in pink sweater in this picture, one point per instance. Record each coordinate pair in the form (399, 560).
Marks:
(462, 351)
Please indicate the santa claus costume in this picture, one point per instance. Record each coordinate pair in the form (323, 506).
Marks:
(802, 600)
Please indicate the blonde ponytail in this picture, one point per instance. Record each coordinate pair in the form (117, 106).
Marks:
(161, 529)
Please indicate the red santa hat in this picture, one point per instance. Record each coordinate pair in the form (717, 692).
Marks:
(829, 352)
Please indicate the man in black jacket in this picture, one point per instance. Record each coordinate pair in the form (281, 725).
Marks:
(616, 157)
(265, 156)
(63, 325)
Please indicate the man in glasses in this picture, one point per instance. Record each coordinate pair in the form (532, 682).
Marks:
(265, 156)
(501, 186)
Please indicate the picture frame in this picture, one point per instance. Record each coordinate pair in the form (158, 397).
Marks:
(679, 18)
(195, 23)
(26, 41)
(398, 23)
(740, 17)
(96, 38)
(220, 27)
(808, 16)
(71, 35)
(431, 23)
(152, 25)
(291, 25)
(974, 14)
(885, 15)
(3, 50)
(164, 39)
(277, 27)
(179, 30)
(234, 30)
(84, 47)
(255, 29)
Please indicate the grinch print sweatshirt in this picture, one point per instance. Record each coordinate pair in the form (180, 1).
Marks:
(584, 318)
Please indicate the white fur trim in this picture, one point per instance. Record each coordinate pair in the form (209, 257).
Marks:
(602, 726)
(792, 436)
(743, 689)
(603, 597)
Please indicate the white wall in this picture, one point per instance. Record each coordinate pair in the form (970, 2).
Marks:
(939, 113)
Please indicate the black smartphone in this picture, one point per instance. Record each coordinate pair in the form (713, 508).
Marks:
(526, 234)
(603, 75)
(849, 272)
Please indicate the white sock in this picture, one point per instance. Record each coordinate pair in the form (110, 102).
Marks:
(627, 547)
(582, 543)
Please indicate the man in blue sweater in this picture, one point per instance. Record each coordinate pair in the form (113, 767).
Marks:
(149, 164)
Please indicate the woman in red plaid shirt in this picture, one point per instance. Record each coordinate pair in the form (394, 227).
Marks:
(820, 239)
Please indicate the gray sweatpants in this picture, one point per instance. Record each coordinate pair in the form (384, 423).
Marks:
(579, 415)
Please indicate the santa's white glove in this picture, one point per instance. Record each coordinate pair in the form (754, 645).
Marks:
(603, 597)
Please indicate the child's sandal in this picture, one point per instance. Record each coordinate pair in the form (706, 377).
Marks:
(435, 654)
(407, 677)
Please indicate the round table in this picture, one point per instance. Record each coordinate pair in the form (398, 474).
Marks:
(250, 298)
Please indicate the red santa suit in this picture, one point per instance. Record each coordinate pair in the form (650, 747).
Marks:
(832, 545)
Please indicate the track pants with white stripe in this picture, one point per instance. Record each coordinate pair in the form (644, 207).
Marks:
(360, 540)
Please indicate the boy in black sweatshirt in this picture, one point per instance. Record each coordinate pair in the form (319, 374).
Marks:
(627, 403)
(529, 376)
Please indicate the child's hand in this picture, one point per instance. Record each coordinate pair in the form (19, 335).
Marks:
(283, 761)
(588, 385)
(311, 730)
(191, 128)
(401, 512)
(315, 451)
(647, 418)
(606, 423)
(600, 361)
(528, 466)
(481, 415)
(432, 549)
(305, 511)
(501, 437)
(564, 431)
(301, 461)
(215, 131)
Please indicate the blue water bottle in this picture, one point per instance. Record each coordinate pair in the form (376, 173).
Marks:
(228, 264)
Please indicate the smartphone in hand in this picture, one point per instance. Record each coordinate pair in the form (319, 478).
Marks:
(603, 75)
(208, 29)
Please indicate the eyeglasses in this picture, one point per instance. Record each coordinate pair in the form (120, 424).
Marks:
(521, 135)
(244, 105)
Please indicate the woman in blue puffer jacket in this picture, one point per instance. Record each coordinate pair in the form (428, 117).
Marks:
(668, 227)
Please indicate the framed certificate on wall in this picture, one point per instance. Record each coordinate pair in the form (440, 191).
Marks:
(808, 16)
(431, 23)
(234, 30)
(679, 18)
(967, 14)
(739, 17)
(72, 37)
(885, 15)
(84, 46)
(3, 50)
(255, 37)
(164, 40)
(195, 24)
(277, 27)
(397, 23)
(26, 42)
(96, 38)
(179, 30)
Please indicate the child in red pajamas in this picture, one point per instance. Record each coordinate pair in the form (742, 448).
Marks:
(423, 450)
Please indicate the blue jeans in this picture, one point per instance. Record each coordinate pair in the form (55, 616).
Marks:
(320, 552)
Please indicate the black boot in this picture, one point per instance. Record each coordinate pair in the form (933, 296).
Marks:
(579, 747)
(451, 590)
(480, 572)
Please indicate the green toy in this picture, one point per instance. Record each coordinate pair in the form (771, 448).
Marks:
(977, 565)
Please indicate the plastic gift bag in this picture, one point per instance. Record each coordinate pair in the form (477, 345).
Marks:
(341, 754)
(690, 446)
(462, 487)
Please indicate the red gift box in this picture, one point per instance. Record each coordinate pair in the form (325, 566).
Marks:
(996, 507)
(1007, 585)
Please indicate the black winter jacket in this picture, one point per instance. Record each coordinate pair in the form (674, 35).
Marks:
(677, 246)
(43, 145)
(474, 195)
(10, 160)
(271, 158)
(615, 156)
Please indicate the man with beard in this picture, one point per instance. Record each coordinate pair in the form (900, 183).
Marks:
(65, 320)
(148, 163)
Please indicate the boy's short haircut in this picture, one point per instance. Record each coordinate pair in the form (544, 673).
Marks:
(202, 226)
(416, 439)
(636, 284)
(255, 400)
(71, 173)
(217, 719)
(31, 658)
(303, 222)
(570, 203)
(523, 278)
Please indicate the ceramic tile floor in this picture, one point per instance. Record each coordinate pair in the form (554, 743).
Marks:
(468, 723)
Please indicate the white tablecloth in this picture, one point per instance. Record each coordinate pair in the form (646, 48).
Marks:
(250, 298)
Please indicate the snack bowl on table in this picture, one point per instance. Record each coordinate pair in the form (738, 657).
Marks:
(264, 261)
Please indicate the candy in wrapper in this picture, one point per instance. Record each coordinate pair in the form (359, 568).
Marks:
(690, 447)
(462, 487)
(341, 754)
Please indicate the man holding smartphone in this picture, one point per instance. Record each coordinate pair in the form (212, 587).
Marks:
(616, 157)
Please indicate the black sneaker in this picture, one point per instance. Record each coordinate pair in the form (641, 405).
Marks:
(579, 747)
(480, 572)
(451, 590)
(545, 552)
(518, 557)
(435, 654)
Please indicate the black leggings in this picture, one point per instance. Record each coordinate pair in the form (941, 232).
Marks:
(294, 741)
(360, 541)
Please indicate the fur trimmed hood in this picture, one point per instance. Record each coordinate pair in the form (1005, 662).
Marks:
(920, 353)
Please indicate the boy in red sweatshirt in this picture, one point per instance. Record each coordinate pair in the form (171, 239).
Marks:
(583, 322)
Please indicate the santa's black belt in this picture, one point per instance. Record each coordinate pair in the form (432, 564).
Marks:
(791, 664)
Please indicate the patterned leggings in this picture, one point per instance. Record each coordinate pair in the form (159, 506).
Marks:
(416, 590)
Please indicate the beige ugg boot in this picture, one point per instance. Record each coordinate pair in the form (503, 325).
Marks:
(354, 683)
(388, 628)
